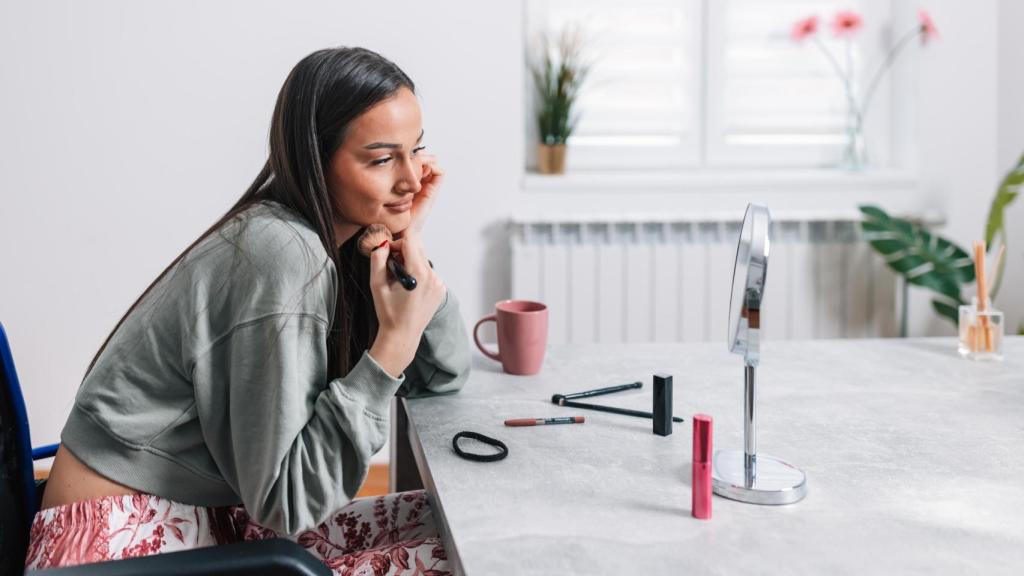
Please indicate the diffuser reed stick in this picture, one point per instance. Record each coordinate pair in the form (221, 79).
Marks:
(985, 336)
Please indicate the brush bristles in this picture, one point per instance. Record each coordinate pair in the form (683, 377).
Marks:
(373, 236)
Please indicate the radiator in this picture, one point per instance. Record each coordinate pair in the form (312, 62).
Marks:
(668, 279)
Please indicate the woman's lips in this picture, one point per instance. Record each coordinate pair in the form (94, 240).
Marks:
(400, 206)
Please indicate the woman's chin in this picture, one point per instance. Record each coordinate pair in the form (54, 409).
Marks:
(398, 222)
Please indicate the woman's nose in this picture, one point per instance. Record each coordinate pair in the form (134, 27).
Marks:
(409, 181)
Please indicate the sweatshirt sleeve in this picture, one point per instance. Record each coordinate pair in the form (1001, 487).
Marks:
(293, 446)
(441, 364)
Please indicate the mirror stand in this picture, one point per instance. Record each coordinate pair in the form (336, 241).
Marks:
(747, 476)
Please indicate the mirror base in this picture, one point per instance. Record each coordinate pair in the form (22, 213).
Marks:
(774, 483)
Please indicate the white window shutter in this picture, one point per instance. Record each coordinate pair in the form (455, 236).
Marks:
(638, 108)
(772, 101)
(715, 83)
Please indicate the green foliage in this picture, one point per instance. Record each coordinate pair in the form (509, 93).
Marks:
(558, 74)
(1008, 191)
(920, 257)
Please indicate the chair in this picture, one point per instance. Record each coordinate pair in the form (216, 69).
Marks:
(20, 496)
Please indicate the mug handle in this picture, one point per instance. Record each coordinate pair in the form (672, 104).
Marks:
(476, 338)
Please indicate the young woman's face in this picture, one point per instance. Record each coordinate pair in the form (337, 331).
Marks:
(376, 171)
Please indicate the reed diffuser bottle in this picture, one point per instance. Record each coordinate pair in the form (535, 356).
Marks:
(980, 325)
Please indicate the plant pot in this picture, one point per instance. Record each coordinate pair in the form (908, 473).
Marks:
(551, 158)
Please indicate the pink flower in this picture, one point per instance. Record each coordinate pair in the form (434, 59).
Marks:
(804, 28)
(928, 29)
(846, 23)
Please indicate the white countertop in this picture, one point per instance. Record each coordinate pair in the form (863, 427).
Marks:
(914, 460)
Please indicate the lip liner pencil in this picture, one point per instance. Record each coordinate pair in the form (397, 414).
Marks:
(611, 409)
(544, 421)
(597, 392)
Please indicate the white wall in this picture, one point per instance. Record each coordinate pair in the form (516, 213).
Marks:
(956, 117)
(128, 127)
(1011, 146)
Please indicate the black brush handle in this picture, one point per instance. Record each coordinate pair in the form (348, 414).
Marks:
(613, 410)
(407, 280)
(598, 392)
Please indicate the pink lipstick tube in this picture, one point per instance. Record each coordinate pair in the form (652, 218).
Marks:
(700, 504)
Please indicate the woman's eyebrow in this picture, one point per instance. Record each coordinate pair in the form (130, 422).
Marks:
(388, 145)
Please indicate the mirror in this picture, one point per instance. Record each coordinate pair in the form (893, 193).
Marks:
(748, 277)
(745, 475)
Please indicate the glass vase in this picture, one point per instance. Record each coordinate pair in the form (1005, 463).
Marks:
(855, 150)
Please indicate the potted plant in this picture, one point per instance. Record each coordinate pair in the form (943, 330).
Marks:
(995, 227)
(934, 262)
(558, 73)
(921, 258)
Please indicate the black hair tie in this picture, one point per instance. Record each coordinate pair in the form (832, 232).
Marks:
(502, 449)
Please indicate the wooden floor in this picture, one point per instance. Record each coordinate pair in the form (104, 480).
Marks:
(376, 480)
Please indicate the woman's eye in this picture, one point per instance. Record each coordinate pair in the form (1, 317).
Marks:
(417, 150)
(381, 161)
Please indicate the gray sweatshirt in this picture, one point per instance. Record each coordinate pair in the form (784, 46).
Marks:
(214, 391)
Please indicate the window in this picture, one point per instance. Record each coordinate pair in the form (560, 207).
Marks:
(715, 83)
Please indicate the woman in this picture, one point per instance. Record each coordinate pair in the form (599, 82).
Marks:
(244, 393)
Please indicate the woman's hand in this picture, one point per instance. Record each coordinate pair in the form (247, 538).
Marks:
(424, 200)
(402, 315)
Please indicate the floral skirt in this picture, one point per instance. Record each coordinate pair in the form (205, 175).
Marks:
(385, 535)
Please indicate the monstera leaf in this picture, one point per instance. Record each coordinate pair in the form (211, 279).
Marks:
(1008, 191)
(922, 258)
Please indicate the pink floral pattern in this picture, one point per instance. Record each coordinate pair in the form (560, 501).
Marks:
(382, 536)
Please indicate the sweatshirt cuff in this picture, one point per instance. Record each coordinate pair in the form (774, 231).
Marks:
(445, 307)
(371, 385)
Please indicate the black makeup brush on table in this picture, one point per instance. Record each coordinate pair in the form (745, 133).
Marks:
(567, 400)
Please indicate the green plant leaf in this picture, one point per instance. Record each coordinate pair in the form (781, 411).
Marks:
(1007, 192)
(920, 257)
(995, 226)
(874, 213)
(947, 310)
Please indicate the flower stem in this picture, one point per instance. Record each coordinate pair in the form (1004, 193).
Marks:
(844, 77)
(854, 113)
(886, 64)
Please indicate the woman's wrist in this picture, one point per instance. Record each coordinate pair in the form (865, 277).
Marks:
(393, 352)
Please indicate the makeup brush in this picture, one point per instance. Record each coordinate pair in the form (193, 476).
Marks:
(375, 236)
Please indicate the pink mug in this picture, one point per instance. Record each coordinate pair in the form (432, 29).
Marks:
(522, 335)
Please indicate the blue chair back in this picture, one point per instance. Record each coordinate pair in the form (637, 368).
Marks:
(18, 499)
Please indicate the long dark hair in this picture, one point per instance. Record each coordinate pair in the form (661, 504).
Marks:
(320, 98)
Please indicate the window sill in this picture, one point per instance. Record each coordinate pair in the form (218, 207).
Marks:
(696, 181)
(696, 194)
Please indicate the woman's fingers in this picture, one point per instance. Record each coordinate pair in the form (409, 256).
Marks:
(413, 257)
(379, 267)
(430, 181)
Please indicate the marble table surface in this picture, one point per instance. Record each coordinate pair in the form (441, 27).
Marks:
(914, 460)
